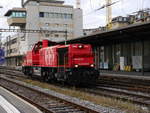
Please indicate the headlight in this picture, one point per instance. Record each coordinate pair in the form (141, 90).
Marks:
(76, 66)
(92, 65)
(80, 46)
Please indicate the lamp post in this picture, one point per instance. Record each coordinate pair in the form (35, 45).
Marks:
(66, 35)
(1, 34)
(143, 58)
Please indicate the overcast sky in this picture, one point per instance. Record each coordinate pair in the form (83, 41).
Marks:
(91, 18)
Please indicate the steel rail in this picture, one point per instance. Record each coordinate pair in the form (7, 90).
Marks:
(101, 89)
(81, 108)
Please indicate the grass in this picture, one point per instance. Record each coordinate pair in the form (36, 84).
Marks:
(100, 100)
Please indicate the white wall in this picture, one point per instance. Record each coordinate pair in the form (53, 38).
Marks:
(78, 23)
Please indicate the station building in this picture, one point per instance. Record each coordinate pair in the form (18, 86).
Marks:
(126, 49)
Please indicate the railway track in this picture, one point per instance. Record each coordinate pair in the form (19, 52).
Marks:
(121, 94)
(45, 102)
(125, 86)
(125, 91)
(125, 81)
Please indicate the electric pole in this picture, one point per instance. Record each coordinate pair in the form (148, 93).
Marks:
(108, 12)
(78, 4)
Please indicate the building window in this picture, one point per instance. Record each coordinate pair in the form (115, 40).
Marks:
(57, 25)
(13, 14)
(56, 35)
(18, 14)
(46, 35)
(65, 25)
(120, 19)
(46, 15)
(55, 15)
(47, 24)
(69, 16)
(23, 14)
(65, 16)
(23, 38)
(14, 41)
(41, 14)
(125, 19)
(52, 15)
(59, 15)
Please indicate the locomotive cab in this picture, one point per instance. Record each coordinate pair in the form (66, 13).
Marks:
(76, 64)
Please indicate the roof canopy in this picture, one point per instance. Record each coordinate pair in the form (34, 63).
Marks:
(130, 33)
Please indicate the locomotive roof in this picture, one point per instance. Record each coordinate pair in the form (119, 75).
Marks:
(62, 46)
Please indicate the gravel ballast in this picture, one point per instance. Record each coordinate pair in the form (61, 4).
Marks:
(83, 103)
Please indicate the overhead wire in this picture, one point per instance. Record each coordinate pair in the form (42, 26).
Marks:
(91, 4)
(92, 7)
(142, 4)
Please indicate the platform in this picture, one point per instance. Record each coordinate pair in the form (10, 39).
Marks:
(10, 103)
(131, 75)
(2, 110)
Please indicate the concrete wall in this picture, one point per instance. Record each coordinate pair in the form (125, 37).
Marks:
(78, 23)
(32, 22)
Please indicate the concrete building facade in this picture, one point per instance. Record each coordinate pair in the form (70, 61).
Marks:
(119, 21)
(12, 46)
(125, 56)
(51, 16)
(137, 17)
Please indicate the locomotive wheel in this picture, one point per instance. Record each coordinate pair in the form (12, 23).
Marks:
(30, 72)
(43, 73)
(45, 76)
(23, 70)
(51, 77)
(26, 71)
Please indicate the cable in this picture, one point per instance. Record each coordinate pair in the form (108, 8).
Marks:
(91, 4)
(96, 21)
(142, 4)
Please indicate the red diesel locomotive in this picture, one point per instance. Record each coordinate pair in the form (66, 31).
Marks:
(73, 63)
